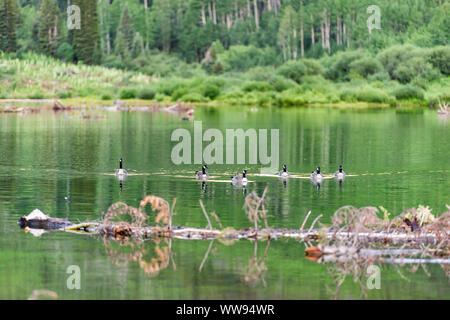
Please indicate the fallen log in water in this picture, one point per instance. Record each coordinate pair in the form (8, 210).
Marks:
(350, 225)
(38, 220)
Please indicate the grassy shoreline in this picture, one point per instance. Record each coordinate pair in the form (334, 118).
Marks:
(38, 77)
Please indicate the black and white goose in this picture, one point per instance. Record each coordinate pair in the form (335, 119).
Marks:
(121, 173)
(284, 173)
(340, 174)
(240, 179)
(202, 175)
(316, 176)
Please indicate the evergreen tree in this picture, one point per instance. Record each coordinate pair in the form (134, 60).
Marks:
(49, 27)
(9, 14)
(86, 41)
(126, 30)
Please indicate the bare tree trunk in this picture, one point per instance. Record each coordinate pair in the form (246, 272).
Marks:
(146, 26)
(269, 5)
(249, 10)
(322, 35)
(302, 40)
(313, 40)
(229, 21)
(203, 15)
(255, 5)
(214, 12)
(209, 10)
(108, 44)
(328, 31)
(338, 28)
(294, 49)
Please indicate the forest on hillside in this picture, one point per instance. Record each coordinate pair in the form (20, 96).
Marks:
(320, 41)
(123, 33)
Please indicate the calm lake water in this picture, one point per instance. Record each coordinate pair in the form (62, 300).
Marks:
(62, 164)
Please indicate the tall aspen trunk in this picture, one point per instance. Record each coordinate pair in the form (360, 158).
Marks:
(255, 5)
(302, 40)
(322, 34)
(214, 12)
(294, 49)
(203, 15)
(338, 28)
(229, 22)
(209, 10)
(328, 28)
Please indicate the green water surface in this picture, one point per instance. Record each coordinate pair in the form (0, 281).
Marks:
(63, 164)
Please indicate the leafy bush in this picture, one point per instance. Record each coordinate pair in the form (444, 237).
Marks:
(340, 64)
(241, 58)
(312, 67)
(179, 92)
(106, 96)
(291, 97)
(408, 92)
(294, 70)
(168, 86)
(257, 86)
(210, 90)
(65, 52)
(193, 97)
(128, 93)
(364, 94)
(365, 66)
(147, 94)
(439, 57)
(280, 83)
(392, 57)
(379, 76)
(65, 95)
(37, 94)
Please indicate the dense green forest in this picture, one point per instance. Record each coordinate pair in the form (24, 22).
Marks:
(256, 51)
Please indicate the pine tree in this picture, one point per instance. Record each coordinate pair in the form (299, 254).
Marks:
(86, 41)
(191, 39)
(126, 29)
(49, 27)
(9, 14)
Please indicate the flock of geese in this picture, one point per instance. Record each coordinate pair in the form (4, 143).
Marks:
(240, 180)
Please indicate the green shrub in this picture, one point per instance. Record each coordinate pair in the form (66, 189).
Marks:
(379, 76)
(364, 94)
(210, 91)
(392, 57)
(439, 57)
(365, 66)
(168, 86)
(65, 95)
(193, 97)
(241, 58)
(312, 67)
(179, 92)
(147, 94)
(408, 92)
(291, 97)
(128, 93)
(340, 64)
(257, 86)
(280, 83)
(294, 70)
(106, 96)
(65, 52)
(37, 94)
